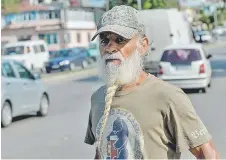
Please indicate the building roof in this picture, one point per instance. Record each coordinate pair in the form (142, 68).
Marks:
(26, 8)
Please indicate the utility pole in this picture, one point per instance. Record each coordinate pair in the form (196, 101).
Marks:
(215, 17)
(139, 4)
(107, 5)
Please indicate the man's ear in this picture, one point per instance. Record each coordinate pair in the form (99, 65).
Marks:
(143, 46)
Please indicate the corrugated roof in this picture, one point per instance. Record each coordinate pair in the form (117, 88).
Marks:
(26, 8)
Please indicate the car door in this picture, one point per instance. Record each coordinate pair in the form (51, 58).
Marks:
(80, 55)
(29, 87)
(11, 88)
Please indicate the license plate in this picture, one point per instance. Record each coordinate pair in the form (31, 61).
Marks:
(55, 66)
(183, 67)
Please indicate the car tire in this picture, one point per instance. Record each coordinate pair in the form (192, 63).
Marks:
(209, 85)
(48, 71)
(204, 90)
(85, 64)
(72, 66)
(6, 114)
(44, 106)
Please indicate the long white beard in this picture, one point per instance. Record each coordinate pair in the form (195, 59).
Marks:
(124, 73)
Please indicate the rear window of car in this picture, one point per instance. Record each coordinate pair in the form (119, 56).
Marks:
(181, 56)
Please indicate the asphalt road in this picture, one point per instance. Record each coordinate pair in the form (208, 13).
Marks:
(61, 134)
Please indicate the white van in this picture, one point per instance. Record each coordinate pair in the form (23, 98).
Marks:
(164, 27)
(33, 54)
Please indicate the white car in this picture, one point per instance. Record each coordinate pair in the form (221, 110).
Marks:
(22, 92)
(203, 36)
(186, 66)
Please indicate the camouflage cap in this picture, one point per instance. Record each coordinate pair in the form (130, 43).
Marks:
(122, 20)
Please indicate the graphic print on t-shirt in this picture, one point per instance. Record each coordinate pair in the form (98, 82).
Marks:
(122, 137)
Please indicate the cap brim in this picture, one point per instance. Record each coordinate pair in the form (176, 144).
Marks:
(123, 31)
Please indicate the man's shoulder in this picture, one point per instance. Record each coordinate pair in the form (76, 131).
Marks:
(172, 95)
(98, 95)
(163, 88)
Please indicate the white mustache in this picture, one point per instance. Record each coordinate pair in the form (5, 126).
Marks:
(110, 56)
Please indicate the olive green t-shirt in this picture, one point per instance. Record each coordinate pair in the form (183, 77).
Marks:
(156, 120)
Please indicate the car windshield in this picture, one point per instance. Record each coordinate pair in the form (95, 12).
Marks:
(181, 56)
(14, 50)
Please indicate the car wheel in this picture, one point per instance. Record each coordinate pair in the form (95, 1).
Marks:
(6, 114)
(203, 90)
(209, 85)
(44, 106)
(48, 71)
(72, 67)
(85, 64)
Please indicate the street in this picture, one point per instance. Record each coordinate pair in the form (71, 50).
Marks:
(61, 133)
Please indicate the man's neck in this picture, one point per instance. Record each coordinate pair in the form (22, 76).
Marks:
(142, 77)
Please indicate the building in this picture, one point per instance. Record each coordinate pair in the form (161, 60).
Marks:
(60, 28)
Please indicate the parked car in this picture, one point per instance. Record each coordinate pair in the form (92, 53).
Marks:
(22, 92)
(203, 36)
(68, 59)
(219, 30)
(33, 54)
(186, 66)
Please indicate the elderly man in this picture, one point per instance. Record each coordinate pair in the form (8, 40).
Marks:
(136, 115)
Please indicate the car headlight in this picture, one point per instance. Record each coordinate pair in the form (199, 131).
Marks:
(66, 62)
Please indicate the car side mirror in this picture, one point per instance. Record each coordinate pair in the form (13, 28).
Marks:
(209, 56)
(36, 76)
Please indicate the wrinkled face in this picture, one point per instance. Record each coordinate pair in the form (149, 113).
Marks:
(121, 61)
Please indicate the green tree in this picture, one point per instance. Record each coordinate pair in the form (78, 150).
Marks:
(146, 4)
(10, 5)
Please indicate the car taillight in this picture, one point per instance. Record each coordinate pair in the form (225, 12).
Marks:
(202, 69)
(160, 70)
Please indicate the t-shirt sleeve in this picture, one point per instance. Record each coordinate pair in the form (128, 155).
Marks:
(185, 126)
(89, 137)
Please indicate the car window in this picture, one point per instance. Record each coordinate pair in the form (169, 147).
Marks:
(14, 50)
(42, 48)
(23, 72)
(7, 70)
(36, 50)
(181, 56)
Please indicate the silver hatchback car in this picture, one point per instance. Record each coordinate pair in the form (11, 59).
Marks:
(186, 66)
(22, 92)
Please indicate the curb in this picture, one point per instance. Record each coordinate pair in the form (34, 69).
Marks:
(68, 75)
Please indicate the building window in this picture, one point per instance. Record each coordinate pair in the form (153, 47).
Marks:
(78, 37)
(89, 36)
(50, 38)
(67, 38)
(24, 38)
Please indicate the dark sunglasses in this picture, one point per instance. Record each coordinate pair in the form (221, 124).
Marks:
(105, 39)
